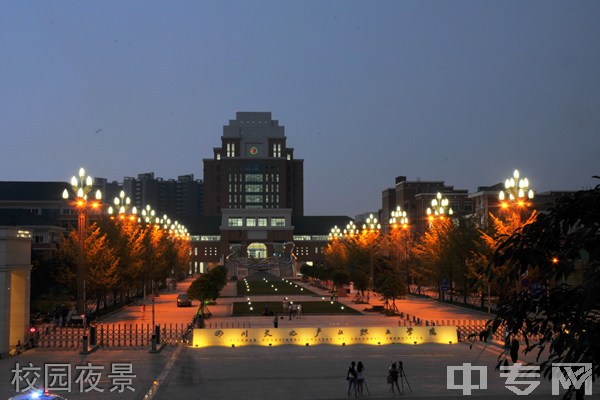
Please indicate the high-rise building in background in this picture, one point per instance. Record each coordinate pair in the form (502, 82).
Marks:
(180, 199)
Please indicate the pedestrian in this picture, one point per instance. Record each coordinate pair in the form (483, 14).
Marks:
(299, 311)
(292, 309)
(392, 377)
(351, 377)
(360, 377)
(286, 304)
(275, 321)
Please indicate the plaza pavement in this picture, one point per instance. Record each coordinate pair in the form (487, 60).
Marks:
(422, 308)
(285, 372)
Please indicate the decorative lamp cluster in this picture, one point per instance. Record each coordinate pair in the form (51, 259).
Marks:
(81, 186)
(439, 206)
(371, 223)
(122, 204)
(399, 217)
(516, 189)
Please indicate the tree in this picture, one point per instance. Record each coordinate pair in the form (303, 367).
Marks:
(101, 264)
(559, 311)
(207, 287)
(339, 278)
(430, 253)
(391, 286)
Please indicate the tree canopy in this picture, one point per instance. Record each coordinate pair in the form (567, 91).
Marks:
(554, 279)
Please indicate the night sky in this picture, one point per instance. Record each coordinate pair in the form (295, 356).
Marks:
(460, 91)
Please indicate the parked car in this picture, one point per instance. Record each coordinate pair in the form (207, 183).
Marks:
(183, 300)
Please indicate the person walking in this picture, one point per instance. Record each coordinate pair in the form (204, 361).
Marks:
(392, 378)
(351, 378)
(360, 378)
(275, 321)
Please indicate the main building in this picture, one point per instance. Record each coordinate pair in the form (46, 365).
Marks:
(254, 203)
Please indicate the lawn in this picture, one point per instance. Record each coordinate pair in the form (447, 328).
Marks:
(266, 288)
(308, 307)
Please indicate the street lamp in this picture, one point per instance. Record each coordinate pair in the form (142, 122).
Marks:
(152, 222)
(371, 226)
(335, 233)
(399, 218)
(516, 190)
(80, 187)
(122, 204)
(439, 207)
(350, 230)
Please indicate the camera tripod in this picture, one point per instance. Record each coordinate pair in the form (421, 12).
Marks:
(403, 377)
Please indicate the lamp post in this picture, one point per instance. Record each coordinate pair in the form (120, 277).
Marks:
(121, 209)
(516, 193)
(335, 233)
(149, 218)
(399, 219)
(371, 227)
(514, 198)
(351, 230)
(153, 223)
(439, 208)
(80, 187)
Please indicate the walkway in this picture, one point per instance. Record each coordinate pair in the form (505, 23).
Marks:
(423, 308)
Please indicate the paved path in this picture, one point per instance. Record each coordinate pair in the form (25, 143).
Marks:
(318, 372)
(423, 308)
(281, 372)
(165, 309)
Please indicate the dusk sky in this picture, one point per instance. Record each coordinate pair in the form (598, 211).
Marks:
(459, 91)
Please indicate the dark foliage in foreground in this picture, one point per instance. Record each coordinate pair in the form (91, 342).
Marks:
(558, 313)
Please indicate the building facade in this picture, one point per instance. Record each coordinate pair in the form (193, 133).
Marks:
(254, 204)
(253, 168)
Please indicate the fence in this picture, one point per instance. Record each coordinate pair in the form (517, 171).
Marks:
(109, 336)
(468, 329)
(471, 299)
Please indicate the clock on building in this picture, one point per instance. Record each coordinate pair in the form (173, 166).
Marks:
(253, 150)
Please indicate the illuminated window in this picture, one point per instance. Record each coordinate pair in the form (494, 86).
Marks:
(253, 188)
(277, 221)
(254, 198)
(261, 221)
(301, 237)
(250, 221)
(234, 221)
(230, 149)
(254, 178)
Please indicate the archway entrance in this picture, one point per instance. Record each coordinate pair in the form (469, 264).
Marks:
(257, 250)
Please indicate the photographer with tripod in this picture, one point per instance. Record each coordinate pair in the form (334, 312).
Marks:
(397, 371)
